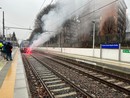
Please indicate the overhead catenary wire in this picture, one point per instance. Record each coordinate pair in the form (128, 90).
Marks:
(7, 22)
(51, 2)
(40, 8)
(98, 9)
(42, 5)
(10, 22)
(80, 8)
(76, 10)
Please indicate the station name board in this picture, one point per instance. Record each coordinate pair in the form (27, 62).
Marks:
(110, 46)
(126, 51)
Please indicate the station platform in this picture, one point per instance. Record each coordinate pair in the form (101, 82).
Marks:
(12, 77)
(123, 67)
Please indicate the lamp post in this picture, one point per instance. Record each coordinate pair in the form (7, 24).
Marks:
(3, 26)
(60, 42)
(0, 8)
(93, 36)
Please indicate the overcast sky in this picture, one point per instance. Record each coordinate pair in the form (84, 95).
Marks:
(22, 13)
(128, 7)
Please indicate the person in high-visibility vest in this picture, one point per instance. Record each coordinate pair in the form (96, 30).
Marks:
(3, 51)
(1, 45)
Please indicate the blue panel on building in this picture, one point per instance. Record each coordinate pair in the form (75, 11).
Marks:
(110, 46)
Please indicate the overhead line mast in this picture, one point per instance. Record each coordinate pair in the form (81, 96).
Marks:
(19, 28)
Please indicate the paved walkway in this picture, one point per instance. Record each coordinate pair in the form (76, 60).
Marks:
(2, 62)
(13, 79)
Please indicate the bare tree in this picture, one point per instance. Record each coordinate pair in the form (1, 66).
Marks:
(38, 26)
(109, 29)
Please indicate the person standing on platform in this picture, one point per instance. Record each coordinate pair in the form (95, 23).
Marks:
(4, 53)
(1, 45)
(9, 51)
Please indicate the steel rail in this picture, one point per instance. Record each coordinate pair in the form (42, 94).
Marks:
(93, 69)
(36, 74)
(91, 76)
(68, 81)
(90, 67)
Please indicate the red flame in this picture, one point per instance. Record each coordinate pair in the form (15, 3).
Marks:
(28, 51)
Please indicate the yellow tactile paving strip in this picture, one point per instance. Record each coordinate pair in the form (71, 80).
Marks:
(7, 88)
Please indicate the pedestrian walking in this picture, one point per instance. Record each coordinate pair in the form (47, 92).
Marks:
(9, 51)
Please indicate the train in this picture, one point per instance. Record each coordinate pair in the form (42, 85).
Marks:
(24, 46)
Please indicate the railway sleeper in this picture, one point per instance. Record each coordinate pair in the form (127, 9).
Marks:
(104, 77)
(55, 85)
(58, 90)
(44, 72)
(111, 80)
(51, 82)
(118, 83)
(98, 75)
(63, 91)
(50, 76)
(49, 79)
(67, 95)
(127, 87)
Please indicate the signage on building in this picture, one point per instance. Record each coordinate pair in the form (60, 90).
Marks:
(110, 46)
(126, 51)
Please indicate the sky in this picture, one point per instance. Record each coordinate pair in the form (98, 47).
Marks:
(128, 6)
(22, 13)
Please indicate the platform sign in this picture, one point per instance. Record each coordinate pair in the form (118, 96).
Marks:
(126, 51)
(110, 46)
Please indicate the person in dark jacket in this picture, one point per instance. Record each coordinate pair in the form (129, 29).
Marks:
(9, 51)
(3, 51)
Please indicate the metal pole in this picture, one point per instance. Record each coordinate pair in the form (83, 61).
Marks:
(60, 42)
(0, 32)
(93, 36)
(119, 52)
(3, 26)
(100, 51)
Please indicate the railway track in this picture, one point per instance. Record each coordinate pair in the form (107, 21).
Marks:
(117, 83)
(50, 83)
(122, 83)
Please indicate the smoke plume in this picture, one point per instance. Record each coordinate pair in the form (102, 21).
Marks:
(54, 19)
